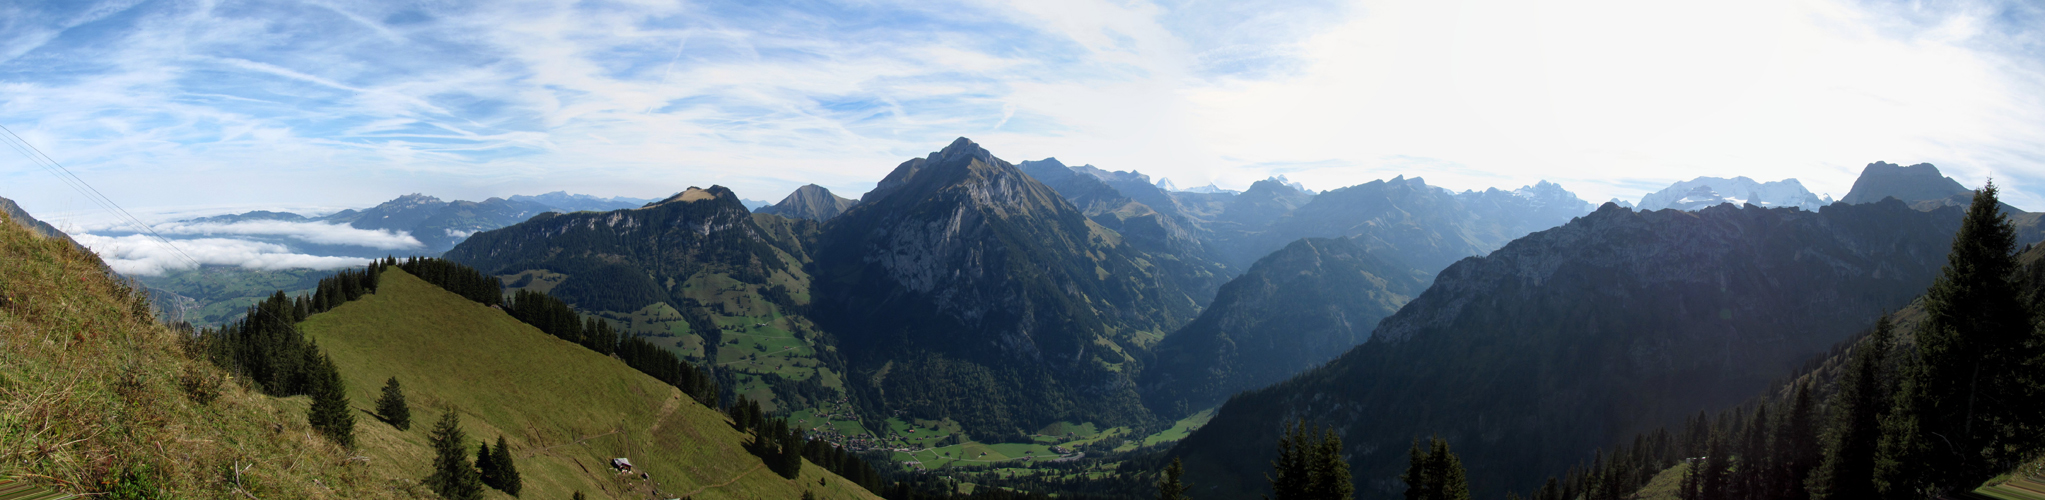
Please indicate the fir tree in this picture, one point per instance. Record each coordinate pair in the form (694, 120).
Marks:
(1437, 474)
(508, 480)
(486, 465)
(1848, 466)
(1288, 477)
(1171, 483)
(1796, 448)
(392, 407)
(329, 413)
(1330, 473)
(1962, 409)
(453, 478)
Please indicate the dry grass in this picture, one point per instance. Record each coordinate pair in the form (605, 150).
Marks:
(95, 394)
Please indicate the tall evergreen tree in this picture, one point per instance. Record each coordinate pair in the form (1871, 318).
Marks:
(486, 465)
(1289, 477)
(392, 407)
(1330, 473)
(508, 480)
(1437, 474)
(1796, 448)
(452, 478)
(1171, 483)
(1965, 408)
(329, 413)
(1848, 467)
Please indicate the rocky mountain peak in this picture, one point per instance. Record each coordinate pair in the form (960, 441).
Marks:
(1911, 184)
(811, 202)
(962, 149)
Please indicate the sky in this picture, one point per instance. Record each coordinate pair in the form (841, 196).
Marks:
(174, 108)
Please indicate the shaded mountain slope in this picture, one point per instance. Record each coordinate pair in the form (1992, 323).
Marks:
(565, 410)
(1574, 337)
(811, 202)
(1294, 309)
(1173, 241)
(963, 288)
(627, 259)
(1911, 184)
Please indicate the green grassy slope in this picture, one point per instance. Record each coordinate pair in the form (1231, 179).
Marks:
(565, 410)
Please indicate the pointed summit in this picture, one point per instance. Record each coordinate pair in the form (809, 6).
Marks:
(1165, 183)
(962, 148)
(811, 202)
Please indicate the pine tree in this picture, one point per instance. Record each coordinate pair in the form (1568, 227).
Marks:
(392, 407)
(329, 413)
(508, 480)
(486, 465)
(1171, 484)
(1330, 473)
(1289, 478)
(1419, 476)
(1796, 448)
(453, 478)
(1962, 411)
(1437, 474)
(1848, 467)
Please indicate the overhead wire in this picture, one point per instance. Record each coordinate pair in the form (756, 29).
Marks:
(121, 215)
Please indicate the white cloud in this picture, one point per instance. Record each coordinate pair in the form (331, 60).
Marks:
(310, 232)
(138, 255)
(1611, 98)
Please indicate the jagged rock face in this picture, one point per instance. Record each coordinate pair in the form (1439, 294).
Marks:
(960, 265)
(1696, 194)
(1293, 310)
(1911, 184)
(811, 202)
(1572, 338)
(626, 259)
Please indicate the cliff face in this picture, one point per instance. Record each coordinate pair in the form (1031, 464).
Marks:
(961, 267)
(1570, 338)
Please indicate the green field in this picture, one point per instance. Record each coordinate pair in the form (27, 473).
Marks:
(565, 410)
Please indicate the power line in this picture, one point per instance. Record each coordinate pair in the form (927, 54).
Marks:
(51, 165)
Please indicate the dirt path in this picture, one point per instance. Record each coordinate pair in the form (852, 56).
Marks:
(674, 402)
(534, 453)
(734, 479)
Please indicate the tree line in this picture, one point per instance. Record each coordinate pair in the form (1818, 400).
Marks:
(266, 348)
(557, 318)
(783, 447)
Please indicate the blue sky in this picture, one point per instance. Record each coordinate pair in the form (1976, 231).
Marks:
(192, 107)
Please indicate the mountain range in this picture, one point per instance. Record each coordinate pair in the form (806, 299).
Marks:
(1696, 194)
